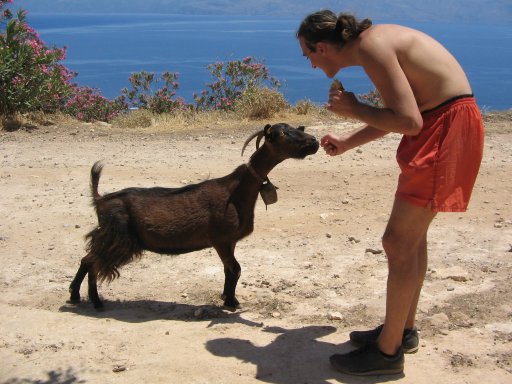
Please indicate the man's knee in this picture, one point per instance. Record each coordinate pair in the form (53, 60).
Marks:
(399, 249)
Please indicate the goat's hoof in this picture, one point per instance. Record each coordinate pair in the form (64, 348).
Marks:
(231, 308)
(73, 301)
(231, 304)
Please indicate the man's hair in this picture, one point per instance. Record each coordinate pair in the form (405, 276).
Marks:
(325, 26)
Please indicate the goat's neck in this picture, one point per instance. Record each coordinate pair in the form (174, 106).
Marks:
(262, 162)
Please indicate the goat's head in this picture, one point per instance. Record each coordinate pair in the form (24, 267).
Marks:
(285, 141)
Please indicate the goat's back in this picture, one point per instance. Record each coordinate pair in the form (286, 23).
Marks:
(179, 220)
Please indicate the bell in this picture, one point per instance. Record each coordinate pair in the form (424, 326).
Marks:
(268, 192)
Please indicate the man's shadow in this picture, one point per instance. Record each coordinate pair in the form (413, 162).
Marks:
(295, 356)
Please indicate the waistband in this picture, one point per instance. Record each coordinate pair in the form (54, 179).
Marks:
(449, 101)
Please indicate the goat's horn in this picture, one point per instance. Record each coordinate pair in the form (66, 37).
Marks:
(259, 134)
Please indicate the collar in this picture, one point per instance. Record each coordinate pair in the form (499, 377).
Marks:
(255, 174)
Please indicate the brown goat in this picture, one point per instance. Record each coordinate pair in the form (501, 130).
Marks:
(214, 213)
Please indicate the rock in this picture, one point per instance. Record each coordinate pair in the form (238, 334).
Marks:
(374, 251)
(458, 278)
(335, 316)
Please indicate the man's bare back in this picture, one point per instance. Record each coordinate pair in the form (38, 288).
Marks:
(432, 72)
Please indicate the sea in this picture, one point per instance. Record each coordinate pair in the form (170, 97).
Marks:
(105, 49)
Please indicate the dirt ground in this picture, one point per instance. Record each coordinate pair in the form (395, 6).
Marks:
(312, 271)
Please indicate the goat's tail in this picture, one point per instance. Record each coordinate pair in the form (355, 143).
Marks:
(95, 179)
(110, 246)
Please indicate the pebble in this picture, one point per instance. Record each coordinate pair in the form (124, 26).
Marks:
(335, 316)
(119, 368)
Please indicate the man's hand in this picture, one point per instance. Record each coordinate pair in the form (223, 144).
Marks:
(333, 145)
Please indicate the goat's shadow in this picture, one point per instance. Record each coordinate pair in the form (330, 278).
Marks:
(140, 311)
(295, 356)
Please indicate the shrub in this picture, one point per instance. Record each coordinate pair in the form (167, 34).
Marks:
(372, 98)
(260, 103)
(87, 104)
(232, 80)
(140, 118)
(162, 100)
(31, 77)
(305, 106)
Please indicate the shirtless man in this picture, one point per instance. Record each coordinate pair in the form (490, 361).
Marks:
(428, 100)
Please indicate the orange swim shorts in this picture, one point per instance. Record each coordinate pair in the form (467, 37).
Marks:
(439, 166)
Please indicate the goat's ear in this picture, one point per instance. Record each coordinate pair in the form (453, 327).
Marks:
(267, 129)
(301, 128)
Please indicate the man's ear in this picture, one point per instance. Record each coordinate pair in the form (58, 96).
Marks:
(321, 47)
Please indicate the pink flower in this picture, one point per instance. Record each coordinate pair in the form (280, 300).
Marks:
(16, 81)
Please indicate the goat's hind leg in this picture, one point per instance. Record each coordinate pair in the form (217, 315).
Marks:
(74, 288)
(86, 268)
(93, 290)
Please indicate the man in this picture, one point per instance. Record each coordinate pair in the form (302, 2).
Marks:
(427, 98)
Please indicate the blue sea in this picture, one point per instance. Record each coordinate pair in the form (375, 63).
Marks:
(105, 49)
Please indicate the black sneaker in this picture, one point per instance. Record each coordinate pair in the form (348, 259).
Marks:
(368, 360)
(410, 340)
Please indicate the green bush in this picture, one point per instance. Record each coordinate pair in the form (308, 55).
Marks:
(232, 80)
(142, 94)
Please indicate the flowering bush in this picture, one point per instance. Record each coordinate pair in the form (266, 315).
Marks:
(87, 104)
(372, 98)
(30, 76)
(233, 79)
(161, 100)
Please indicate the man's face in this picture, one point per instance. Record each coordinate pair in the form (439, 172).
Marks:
(319, 58)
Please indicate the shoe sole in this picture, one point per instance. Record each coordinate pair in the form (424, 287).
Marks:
(376, 372)
(411, 350)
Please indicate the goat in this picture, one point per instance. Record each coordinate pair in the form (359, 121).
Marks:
(213, 213)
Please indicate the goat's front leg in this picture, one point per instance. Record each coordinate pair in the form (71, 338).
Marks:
(232, 273)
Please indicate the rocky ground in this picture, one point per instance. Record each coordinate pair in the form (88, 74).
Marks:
(312, 271)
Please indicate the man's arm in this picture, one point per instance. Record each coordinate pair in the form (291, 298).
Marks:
(336, 145)
(400, 114)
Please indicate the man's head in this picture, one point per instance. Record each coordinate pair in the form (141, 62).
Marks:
(325, 26)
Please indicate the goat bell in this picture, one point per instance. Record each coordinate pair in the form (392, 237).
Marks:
(268, 192)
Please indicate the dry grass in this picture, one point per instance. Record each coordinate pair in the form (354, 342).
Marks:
(247, 114)
(33, 120)
(498, 121)
(303, 113)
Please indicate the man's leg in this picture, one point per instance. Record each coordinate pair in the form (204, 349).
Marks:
(422, 270)
(404, 242)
